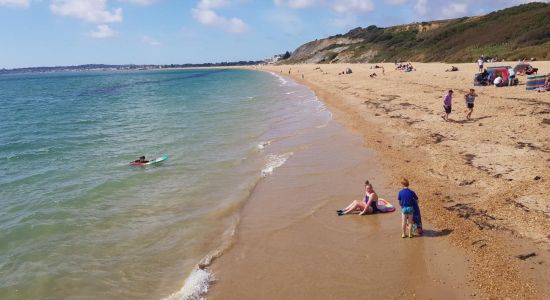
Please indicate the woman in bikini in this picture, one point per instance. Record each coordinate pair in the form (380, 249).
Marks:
(362, 207)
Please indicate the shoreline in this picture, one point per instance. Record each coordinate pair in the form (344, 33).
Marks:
(280, 226)
(494, 204)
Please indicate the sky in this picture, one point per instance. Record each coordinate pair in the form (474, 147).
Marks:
(73, 32)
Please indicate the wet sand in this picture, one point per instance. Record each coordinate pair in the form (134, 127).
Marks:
(485, 180)
(290, 243)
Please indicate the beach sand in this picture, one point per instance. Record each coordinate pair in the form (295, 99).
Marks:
(483, 188)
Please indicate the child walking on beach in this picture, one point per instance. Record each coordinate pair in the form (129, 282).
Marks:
(407, 199)
(447, 104)
(470, 98)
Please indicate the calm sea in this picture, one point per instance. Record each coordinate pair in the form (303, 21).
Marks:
(77, 222)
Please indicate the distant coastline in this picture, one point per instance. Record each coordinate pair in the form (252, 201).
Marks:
(127, 67)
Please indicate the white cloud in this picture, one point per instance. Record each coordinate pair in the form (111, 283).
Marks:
(94, 11)
(296, 3)
(454, 10)
(421, 7)
(140, 2)
(338, 6)
(205, 14)
(102, 31)
(15, 3)
(395, 2)
(212, 4)
(350, 6)
(150, 41)
(211, 18)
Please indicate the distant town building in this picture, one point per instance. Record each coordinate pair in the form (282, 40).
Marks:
(273, 59)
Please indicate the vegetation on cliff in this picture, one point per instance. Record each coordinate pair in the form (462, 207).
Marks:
(517, 32)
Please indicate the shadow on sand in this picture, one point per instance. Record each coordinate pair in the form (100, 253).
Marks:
(472, 120)
(436, 233)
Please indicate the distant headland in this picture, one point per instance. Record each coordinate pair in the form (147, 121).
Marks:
(127, 67)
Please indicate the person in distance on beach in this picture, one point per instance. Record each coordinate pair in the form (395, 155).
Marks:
(407, 199)
(498, 82)
(447, 104)
(480, 62)
(470, 98)
(367, 206)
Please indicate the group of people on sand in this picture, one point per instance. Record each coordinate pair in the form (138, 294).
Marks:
(469, 98)
(405, 67)
(408, 201)
(346, 71)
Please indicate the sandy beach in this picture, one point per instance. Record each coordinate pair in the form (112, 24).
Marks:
(483, 185)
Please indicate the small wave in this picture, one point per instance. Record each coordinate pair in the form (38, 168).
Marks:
(195, 286)
(274, 161)
(197, 283)
(290, 93)
(262, 145)
(281, 79)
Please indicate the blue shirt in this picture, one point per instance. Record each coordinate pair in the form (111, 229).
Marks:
(407, 197)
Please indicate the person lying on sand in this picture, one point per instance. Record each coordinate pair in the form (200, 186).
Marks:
(530, 70)
(362, 207)
(452, 69)
(373, 75)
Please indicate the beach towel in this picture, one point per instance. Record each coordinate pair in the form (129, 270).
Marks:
(417, 219)
(534, 82)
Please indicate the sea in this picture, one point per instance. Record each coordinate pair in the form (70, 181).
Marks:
(78, 222)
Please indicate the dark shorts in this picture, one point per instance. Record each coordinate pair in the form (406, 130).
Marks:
(470, 105)
(448, 109)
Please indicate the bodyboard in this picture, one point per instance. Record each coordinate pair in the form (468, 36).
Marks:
(156, 161)
(384, 206)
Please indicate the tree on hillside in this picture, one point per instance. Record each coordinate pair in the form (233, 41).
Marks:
(286, 55)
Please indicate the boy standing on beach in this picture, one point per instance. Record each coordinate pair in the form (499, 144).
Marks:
(480, 62)
(447, 104)
(470, 98)
(407, 199)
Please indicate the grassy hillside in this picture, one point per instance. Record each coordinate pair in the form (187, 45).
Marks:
(512, 33)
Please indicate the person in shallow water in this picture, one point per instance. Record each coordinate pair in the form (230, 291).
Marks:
(141, 160)
(368, 206)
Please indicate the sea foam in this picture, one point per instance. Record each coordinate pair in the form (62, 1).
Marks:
(195, 286)
(281, 79)
(262, 145)
(274, 161)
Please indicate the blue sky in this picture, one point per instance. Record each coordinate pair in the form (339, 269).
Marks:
(70, 32)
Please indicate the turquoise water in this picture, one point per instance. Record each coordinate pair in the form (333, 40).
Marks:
(76, 221)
